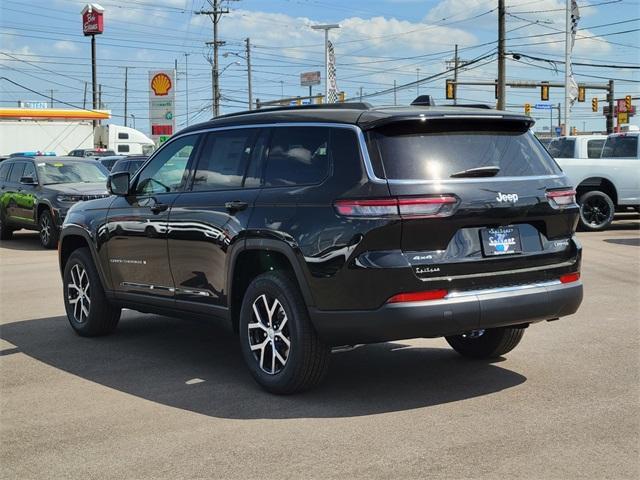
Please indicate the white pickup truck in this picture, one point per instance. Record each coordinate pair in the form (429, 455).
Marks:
(604, 183)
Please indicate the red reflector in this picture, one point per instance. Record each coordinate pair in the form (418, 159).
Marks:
(570, 277)
(418, 296)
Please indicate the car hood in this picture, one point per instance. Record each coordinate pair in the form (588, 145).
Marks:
(98, 188)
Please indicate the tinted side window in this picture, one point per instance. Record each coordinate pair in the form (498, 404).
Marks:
(120, 166)
(297, 156)
(621, 147)
(123, 148)
(562, 148)
(29, 170)
(223, 159)
(16, 172)
(166, 172)
(594, 148)
(123, 136)
(134, 166)
(4, 171)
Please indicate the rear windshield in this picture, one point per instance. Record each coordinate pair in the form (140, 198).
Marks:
(411, 151)
(562, 147)
(620, 147)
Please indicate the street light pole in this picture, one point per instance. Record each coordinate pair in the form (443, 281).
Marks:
(326, 28)
(567, 69)
(186, 84)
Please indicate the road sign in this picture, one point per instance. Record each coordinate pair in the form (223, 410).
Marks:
(543, 106)
(558, 131)
(623, 117)
(308, 79)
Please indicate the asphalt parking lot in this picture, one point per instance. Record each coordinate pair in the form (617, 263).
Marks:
(169, 398)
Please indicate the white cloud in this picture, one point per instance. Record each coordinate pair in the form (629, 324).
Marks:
(65, 46)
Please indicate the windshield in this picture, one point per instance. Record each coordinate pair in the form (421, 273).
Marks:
(423, 152)
(621, 146)
(71, 172)
(562, 147)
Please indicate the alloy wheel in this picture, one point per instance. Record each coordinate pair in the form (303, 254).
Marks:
(45, 229)
(595, 211)
(268, 332)
(78, 293)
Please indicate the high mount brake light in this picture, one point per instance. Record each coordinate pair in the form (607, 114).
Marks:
(561, 198)
(406, 207)
(418, 296)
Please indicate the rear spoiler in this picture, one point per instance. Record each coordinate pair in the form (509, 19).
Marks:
(497, 117)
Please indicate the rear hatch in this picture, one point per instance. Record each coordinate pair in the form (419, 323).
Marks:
(478, 197)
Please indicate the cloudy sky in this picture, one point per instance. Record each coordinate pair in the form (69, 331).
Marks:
(379, 42)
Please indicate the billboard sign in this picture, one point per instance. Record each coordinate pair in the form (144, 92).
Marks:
(92, 19)
(308, 79)
(162, 104)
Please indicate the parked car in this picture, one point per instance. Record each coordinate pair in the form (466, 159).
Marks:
(37, 192)
(91, 152)
(608, 183)
(129, 164)
(109, 162)
(581, 146)
(305, 228)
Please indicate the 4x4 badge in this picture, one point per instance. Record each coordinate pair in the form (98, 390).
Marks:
(507, 197)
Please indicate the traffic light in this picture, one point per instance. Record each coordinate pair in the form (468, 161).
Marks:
(544, 92)
(627, 103)
(450, 90)
(527, 108)
(341, 97)
(594, 104)
(581, 94)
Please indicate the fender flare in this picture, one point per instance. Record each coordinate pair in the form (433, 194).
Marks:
(269, 245)
(79, 231)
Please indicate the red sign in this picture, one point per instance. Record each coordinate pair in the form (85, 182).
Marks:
(161, 129)
(92, 19)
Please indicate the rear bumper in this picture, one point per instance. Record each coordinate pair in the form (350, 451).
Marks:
(457, 313)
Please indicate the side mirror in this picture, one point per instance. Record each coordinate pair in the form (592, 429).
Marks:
(118, 184)
(28, 181)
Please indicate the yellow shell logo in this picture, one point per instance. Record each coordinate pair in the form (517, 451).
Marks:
(161, 84)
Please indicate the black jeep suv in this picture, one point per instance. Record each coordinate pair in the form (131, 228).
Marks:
(308, 228)
(36, 192)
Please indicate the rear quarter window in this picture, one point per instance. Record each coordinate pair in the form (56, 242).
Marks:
(594, 148)
(297, 156)
(419, 151)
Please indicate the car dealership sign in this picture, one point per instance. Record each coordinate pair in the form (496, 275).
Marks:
(162, 104)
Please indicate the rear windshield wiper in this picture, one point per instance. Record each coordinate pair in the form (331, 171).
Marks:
(477, 172)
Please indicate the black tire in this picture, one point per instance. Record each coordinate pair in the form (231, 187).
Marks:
(101, 317)
(596, 211)
(6, 233)
(492, 343)
(306, 358)
(49, 233)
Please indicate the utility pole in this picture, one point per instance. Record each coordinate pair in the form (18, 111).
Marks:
(99, 100)
(417, 80)
(567, 68)
(455, 73)
(560, 117)
(501, 56)
(215, 14)
(248, 48)
(611, 100)
(360, 93)
(326, 29)
(126, 91)
(51, 97)
(84, 98)
(395, 98)
(186, 85)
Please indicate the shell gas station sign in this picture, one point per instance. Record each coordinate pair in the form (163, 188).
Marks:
(162, 104)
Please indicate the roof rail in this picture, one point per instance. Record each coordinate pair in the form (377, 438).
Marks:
(321, 106)
(474, 105)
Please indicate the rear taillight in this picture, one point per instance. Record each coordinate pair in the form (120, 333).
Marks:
(561, 198)
(406, 207)
(570, 277)
(418, 296)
